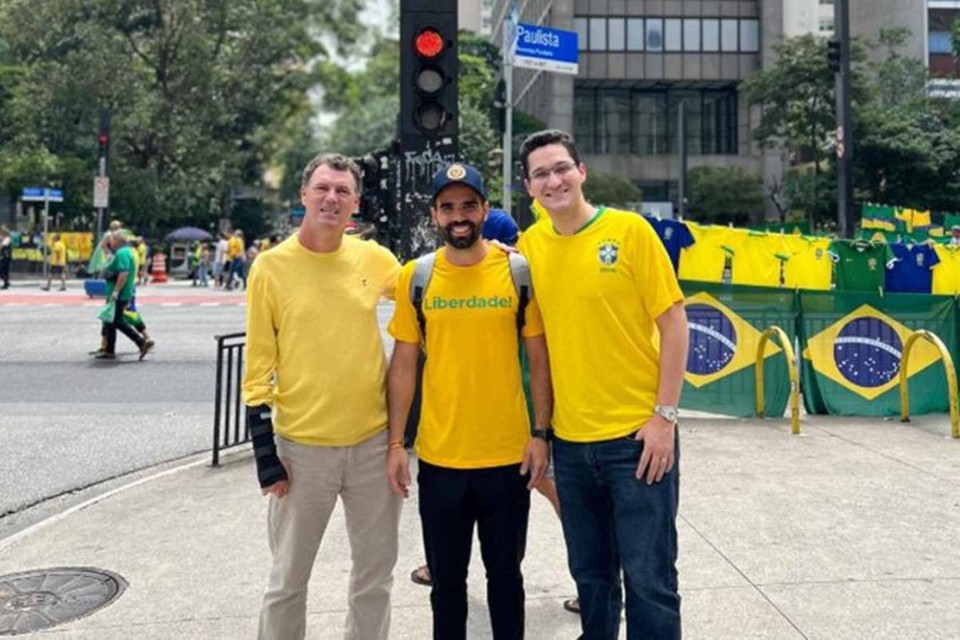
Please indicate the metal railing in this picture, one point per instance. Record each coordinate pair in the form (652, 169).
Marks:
(787, 349)
(229, 418)
(948, 369)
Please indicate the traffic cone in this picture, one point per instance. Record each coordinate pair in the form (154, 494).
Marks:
(159, 272)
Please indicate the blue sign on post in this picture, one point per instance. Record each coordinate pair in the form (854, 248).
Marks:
(545, 48)
(39, 194)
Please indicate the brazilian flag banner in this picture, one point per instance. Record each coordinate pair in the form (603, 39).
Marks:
(726, 323)
(853, 345)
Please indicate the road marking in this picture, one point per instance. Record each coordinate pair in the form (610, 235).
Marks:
(171, 304)
(210, 304)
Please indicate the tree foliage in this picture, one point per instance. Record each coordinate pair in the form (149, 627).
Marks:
(725, 194)
(201, 92)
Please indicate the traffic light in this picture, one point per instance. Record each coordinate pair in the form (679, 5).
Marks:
(428, 68)
(103, 143)
(373, 191)
(833, 55)
(500, 106)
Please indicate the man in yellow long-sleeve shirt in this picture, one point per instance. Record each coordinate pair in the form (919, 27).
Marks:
(315, 378)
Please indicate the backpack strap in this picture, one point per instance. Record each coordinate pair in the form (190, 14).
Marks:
(520, 273)
(422, 272)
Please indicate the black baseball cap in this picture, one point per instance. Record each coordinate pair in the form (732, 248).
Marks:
(457, 173)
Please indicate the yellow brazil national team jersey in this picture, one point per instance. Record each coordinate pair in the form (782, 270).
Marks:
(600, 291)
(810, 265)
(946, 274)
(58, 258)
(704, 259)
(473, 413)
(756, 257)
(314, 351)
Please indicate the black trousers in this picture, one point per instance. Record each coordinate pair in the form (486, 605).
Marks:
(119, 322)
(496, 499)
(5, 272)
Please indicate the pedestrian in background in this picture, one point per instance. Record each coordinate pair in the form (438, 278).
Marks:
(6, 255)
(58, 263)
(203, 265)
(121, 275)
(235, 253)
(219, 260)
(607, 290)
(319, 432)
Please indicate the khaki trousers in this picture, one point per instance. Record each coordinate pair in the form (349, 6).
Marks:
(296, 523)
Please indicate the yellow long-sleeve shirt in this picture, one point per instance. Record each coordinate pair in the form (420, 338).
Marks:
(314, 351)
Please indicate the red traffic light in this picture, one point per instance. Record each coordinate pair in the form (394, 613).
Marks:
(103, 138)
(428, 43)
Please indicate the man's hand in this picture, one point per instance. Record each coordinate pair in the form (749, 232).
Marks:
(279, 488)
(496, 244)
(535, 460)
(398, 471)
(657, 435)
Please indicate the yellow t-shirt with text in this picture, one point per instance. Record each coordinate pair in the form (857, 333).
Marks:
(473, 413)
(314, 351)
(600, 292)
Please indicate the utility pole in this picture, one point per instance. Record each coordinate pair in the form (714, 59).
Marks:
(509, 45)
(844, 121)
(682, 148)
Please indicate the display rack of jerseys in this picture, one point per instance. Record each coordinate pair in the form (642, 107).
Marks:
(757, 257)
(860, 264)
(946, 273)
(674, 235)
(910, 270)
(705, 259)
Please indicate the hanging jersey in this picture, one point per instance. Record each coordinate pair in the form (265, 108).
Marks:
(910, 270)
(756, 257)
(861, 266)
(674, 235)
(946, 275)
(810, 265)
(705, 259)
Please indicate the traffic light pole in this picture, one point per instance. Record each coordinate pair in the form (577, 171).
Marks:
(844, 124)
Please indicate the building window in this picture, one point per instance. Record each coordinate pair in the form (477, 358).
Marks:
(654, 34)
(691, 35)
(728, 35)
(672, 35)
(644, 122)
(635, 34)
(939, 42)
(615, 33)
(749, 36)
(580, 26)
(711, 35)
(598, 34)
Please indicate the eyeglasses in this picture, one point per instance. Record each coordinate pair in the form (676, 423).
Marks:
(561, 169)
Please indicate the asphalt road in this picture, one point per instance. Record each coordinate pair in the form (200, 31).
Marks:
(68, 422)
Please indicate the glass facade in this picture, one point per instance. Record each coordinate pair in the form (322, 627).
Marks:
(691, 35)
(644, 122)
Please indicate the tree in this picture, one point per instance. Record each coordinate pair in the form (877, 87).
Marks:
(611, 190)
(725, 194)
(200, 92)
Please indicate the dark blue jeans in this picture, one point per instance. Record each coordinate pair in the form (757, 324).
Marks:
(613, 522)
(452, 501)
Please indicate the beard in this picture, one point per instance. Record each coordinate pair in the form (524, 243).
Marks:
(460, 242)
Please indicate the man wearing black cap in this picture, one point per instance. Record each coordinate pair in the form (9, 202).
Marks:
(479, 455)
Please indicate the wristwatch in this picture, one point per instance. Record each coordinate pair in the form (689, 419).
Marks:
(546, 433)
(667, 412)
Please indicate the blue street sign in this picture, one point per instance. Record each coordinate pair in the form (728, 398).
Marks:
(546, 48)
(39, 194)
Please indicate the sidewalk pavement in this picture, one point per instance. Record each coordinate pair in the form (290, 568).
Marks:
(847, 531)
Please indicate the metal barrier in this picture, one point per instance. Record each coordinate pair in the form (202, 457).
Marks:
(229, 418)
(948, 368)
(791, 369)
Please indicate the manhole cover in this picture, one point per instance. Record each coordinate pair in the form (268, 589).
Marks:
(35, 600)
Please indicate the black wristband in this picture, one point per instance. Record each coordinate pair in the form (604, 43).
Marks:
(543, 434)
(269, 468)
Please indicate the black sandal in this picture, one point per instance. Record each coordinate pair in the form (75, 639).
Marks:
(572, 605)
(417, 576)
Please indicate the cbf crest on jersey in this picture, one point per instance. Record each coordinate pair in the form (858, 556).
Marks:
(862, 351)
(608, 253)
(721, 342)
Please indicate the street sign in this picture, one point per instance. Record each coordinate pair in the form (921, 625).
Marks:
(101, 192)
(39, 194)
(545, 48)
